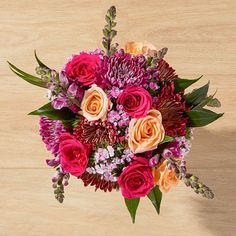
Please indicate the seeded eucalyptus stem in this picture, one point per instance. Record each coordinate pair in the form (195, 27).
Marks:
(191, 180)
(108, 31)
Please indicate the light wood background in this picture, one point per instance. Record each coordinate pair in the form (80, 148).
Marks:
(201, 37)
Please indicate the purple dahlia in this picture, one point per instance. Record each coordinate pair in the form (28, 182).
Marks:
(122, 69)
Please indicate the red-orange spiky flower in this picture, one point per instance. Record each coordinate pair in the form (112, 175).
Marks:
(172, 108)
(95, 132)
(165, 71)
(97, 181)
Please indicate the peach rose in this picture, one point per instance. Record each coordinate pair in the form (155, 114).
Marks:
(164, 177)
(136, 48)
(95, 104)
(146, 133)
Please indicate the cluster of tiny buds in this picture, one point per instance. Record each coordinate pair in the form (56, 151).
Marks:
(46, 74)
(179, 166)
(197, 186)
(60, 178)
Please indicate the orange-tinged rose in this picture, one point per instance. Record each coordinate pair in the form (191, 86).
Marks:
(95, 104)
(146, 133)
(164, 177)
(136, 48)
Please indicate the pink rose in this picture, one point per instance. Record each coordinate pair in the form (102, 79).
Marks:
(73, 155)
(82, 68)
(136, 101)
(136, 180)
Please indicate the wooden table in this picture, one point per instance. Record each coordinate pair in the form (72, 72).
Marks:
(201, 37)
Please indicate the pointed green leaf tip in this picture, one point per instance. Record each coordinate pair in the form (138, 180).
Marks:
(202, 117)
(167, 139)
(214, 102)
(155, 197)
(64, 114)
(197, 95)
(27, 77)
(112, 12)
(182, 84)
(132, 205)
(39, 62)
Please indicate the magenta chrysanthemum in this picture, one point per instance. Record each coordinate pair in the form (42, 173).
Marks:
(123, 69)
(51, 130)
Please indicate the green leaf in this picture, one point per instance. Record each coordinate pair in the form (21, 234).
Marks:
(167, 139)
(105, 43)
(182, 84)
(202, 117)
(132, 205)
(204, 102)
(214, 102)
(111, 12)
(155, 196)
(27, 77)
(113, 33)
(64, 114)
(105, 32)
(197, 95)
(113, 24)
(208, 101)
(107, 18)
(39, 62)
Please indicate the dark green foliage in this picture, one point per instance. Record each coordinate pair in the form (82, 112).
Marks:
(132, 205)
(27, 77)
(155, 197)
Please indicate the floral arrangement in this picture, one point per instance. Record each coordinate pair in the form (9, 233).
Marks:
(119, 119)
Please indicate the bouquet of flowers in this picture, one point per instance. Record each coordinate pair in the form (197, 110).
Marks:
(119, 119)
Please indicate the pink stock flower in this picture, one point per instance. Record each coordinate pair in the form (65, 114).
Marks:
(51, 130)
(136, 180)
(73, 155)
(136, 101)
(60, 101)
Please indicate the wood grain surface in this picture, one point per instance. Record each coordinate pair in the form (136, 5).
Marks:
(201, 37)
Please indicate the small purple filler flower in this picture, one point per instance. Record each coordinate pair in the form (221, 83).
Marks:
(178, 148)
